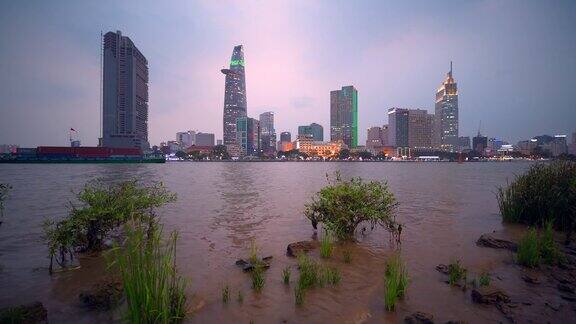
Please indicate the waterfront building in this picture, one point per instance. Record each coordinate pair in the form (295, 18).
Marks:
(248, 136)
(186, 139)
(559, 145)
(374, 138)
(464, 143)
(420, 129)
(315, 130)
(124, 94)
(204, 139)
(344, 116)
(398, 127)
(267, 133)
(235, 105)
(285, 137)
(479, 143)
(446, 114)
(307, 145)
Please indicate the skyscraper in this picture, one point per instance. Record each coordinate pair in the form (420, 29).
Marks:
(410, 128)
(234, 95)
(344, 116)
(248, 136)
(285, 137)
(124, 93)
(315, 130)
(446, 114)
(398, 127)
(267, 133)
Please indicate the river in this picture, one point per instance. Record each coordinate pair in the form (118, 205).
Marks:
(222, 207)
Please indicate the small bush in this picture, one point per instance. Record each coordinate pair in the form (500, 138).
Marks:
(225, 294)
(326, 245)
(286, 275)
(395, 281)
(528, 251)
(456, 273)
(344, 204)
(547, 192)
(484, 280)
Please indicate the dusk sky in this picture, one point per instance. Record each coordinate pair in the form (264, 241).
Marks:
(514, 61)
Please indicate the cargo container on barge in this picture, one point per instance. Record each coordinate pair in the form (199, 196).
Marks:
(85, 154)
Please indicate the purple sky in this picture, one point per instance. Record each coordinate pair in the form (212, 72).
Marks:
(514, 61)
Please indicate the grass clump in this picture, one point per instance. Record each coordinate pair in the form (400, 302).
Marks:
(546, 192)
(326, 245)
(347, 255)
(456, 273)
(240, 297)
(484, 280)
(331, 276)
(299, 295)
(312, 274)
(528, 251)
(147, 265)
(344, 204)
(286, 275)
(395, 281)
(257, 275)
(225, 294)
(549, 251)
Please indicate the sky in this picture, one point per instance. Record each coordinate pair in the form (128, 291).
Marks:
(514, 61)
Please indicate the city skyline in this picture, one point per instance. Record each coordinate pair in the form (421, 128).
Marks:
(292, 75)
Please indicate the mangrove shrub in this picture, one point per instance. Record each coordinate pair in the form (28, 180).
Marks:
(103, 207)
(547, 192)
(344, 204)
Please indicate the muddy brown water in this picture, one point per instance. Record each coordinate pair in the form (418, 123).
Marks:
(222, 207)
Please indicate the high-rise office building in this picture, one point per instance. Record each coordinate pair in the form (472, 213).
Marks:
(464, 142)
(446, 114)
(204, 139)
(315, 130)
(248, 136)
(235, 105)
(285, 137)
(186, 139)
(420, 125)
(374, 138)
(479, 143)
(398, 127)
(267, 133)
(344, 116)
(124, 93)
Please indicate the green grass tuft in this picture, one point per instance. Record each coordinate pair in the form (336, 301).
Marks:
(286, 275)
(299, 295)
(528, 250)
(326, 245)
(456, 273)
(225, 294)
(484, 280)
(240, 297)
(347, 256)
(257, 277)
(395, 281)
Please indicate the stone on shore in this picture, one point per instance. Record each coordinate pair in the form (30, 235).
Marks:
(419, 318)
(103, 296)
(296, 248)
(490, 296)
(489, 240)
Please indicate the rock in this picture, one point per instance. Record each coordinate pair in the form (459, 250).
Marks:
(506, 310)
(103, 296)
(247, 265)
(565, 288)
(530, 279)
(419, 318)
(267, 259)
(487, 295)
(488, 240)
(296, 248)
(26, 314)
(442, 268)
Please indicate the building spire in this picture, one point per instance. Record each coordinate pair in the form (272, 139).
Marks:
(450, 73)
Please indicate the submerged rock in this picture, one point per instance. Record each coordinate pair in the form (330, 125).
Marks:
(27, 314)
(530, 279)
(442, 268)
(419, 318)
(103, 296)
(487, 295)
(488, 240)
(296, 248)
(247, 265)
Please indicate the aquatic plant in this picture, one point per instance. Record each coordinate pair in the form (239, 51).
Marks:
(347, 256)
(484, 280)
(331, 275)
(326, 245)
(309, 272)
(549, 251)
(103, 208)
(257, 275)
(528, 250)
(240, 297)
(147, 265)
(225, 294)
(456, 273)
(344, 204)
(4, 189)
(299, 295)
(546, 192)
(253, 257)
(286, 275)
(395, 281)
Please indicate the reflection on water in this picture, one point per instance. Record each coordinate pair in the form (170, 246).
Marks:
(222, 207)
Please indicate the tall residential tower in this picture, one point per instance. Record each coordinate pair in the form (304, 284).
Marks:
(446, 115)
(124, 93)
(234, 95)
(344, 116)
